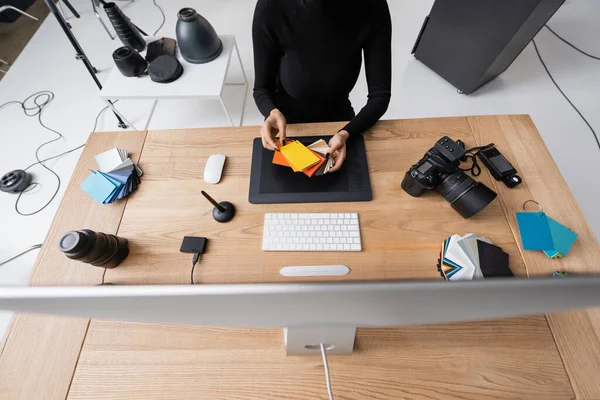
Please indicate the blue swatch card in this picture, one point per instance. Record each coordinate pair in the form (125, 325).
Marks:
(98, 187)
(535, 233)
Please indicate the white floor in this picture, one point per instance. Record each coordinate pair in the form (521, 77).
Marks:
(48, 63)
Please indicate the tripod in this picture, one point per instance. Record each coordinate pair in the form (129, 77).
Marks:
(79, 54)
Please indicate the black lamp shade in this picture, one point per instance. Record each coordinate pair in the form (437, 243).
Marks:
(198, 42)
(125, 29)
(129, 61)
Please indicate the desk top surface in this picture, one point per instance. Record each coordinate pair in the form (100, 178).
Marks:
(536, 357)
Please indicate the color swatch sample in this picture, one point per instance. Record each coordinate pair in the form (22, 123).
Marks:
(471, 257)
(304, 155)
(299, 157)
(540, 232)
(116, 178)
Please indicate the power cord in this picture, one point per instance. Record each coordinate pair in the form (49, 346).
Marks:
(40, 101)
(326, 366)
(563, 93)
(571, 44)
(194, 262)
(163, 17)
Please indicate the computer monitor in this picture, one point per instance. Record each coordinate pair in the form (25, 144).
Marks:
(312, 313)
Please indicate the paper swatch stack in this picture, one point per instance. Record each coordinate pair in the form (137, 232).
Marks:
(472, 257)
(117, 176)
(313, 160)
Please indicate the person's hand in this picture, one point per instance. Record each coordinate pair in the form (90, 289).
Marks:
(273, 125)
(337, 149)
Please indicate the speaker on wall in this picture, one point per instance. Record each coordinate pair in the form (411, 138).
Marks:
(470, 42)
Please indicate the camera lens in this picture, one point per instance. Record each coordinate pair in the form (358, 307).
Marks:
(465, 195)
(96, 248)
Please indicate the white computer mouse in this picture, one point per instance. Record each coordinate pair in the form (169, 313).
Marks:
(214, 168)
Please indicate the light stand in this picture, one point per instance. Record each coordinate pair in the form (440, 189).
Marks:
(79, 53)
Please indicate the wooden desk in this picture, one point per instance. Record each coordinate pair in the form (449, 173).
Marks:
(552, 357)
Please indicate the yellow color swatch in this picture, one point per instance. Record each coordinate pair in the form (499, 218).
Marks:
(299, 157)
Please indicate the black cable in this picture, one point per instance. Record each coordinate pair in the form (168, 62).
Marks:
(572, 45)
(471, 154)
(76, 148)
(163, 17)
(40, 100)
(194, 262)
(563, 93)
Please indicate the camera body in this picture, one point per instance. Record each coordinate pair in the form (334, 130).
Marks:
(434, 167)
(439, 170)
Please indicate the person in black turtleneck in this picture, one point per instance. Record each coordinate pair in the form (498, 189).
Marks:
(307, 58)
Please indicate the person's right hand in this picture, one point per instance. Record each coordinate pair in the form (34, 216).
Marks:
(273, 125)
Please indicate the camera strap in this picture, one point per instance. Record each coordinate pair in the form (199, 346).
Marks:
(471, 154)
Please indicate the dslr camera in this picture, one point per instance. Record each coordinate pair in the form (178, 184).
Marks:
(439, 170)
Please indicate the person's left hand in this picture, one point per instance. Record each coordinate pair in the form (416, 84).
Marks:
(337, 149)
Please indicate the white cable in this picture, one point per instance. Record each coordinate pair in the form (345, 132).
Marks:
(327, 379)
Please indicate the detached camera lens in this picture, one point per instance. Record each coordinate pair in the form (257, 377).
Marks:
(96, 248)
(464, 194)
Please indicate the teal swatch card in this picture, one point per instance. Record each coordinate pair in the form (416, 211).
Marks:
(562, 237)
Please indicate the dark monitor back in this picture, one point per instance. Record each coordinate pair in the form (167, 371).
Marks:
(470, 42)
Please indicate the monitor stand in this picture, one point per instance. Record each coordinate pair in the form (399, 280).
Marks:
(305, 341)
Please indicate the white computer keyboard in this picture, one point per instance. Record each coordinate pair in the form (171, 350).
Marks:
(311, 232)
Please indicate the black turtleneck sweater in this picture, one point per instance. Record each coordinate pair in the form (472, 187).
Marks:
(308, 54)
